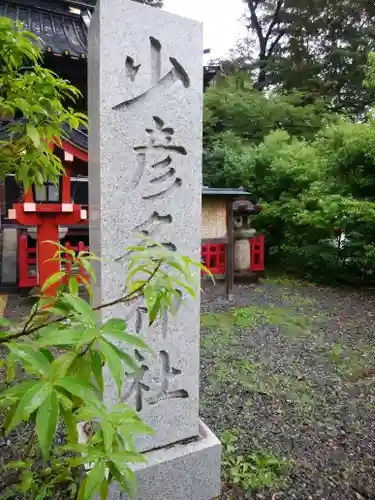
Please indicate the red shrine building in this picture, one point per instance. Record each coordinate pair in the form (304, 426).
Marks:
(59, 212)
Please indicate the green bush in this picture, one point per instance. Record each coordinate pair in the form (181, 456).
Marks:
(315, 182)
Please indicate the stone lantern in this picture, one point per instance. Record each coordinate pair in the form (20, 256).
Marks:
(242, 211)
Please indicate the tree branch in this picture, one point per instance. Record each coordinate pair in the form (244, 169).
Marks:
(274, 43)
(135, 294)
(256, 25)
(274, 20)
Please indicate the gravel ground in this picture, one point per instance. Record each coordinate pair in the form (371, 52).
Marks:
(290, 367)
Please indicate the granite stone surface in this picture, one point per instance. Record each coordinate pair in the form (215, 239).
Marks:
(182, 472)
(145, 111)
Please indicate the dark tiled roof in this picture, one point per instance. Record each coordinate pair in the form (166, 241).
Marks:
(224, 192)
(78, 137)
(60, 31)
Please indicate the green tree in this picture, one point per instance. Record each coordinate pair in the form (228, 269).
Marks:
(370, 71)
(237, 116)
(311, 171)
(33, 99)
(234, 105)
(319, 47)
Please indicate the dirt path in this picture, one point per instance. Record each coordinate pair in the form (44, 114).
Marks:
(288, 369)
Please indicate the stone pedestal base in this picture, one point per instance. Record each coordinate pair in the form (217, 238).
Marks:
(189, 471)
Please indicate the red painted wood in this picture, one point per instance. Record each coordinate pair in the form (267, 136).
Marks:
(24, 261)
(213, 257)
(257, 253)
(27, 256)
(47, 233)
(47, 224)
(69, 148)
(65, 179)
(28, 196)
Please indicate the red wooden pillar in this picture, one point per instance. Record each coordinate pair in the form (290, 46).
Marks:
(46, 250)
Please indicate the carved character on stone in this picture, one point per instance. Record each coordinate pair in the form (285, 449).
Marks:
(152, 383)
(156, 173)
(158, 83)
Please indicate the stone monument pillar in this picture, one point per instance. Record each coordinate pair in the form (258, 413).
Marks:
(145, 112)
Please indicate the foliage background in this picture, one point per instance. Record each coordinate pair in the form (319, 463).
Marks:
(311, 168)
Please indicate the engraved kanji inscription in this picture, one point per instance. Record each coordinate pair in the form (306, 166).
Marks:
(141, 318)
(139, 314)
(156, 172)
(151, 384)
(131, 68)
(154, 231)
(158, 83)
(155, 228)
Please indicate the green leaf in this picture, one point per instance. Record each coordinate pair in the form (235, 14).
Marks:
(122, 458)
(80, 448)
(88, 412)
(48, 355)
(108, 433)
(19, 464)
(94, 481)
(104, 490)
(5, 323)
(52, 280)
(57, 336)
(125, 337)
(154, 309)
(27, 482)
(32, 400)
(73, 285)
(188, 288)
(135, 427)
(79, 388)
(81, 368)
(12, 361)
(80, 306)
(113, 361)
(22, 105)
(64, 401)
(46, 423)
(70, 424)
(88, 288)
(97, 369)
(90, 334)
(61, 365)
(115, 324)
(33, 134)
(81, 491)
(127, 359)
(31, 357)
(16, 392)
(88, 268)
(123, 478)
